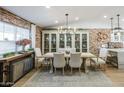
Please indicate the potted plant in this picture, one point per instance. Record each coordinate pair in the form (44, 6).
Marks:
(9, 54)
(23, 43)
(30, 49)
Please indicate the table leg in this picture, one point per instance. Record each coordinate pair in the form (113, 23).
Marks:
(85, 66)
(51, 66)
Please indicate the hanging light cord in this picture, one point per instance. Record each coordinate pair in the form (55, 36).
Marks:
(118, 21)
(67, 21)
(111, 24)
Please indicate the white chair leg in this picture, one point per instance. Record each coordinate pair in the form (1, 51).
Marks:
(90, 63)
(104, 67)
(63, 70)
(55, 70)
(37, 64)
(79, 71)
(47, 66)
(71, 70)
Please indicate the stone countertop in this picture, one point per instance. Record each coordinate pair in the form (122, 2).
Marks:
(117, 50)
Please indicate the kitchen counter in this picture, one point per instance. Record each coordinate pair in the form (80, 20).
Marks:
(117, 50)
(117, 57)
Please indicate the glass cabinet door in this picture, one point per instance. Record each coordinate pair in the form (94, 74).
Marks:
(77, 42)
(46, 43)
(61, 41)
(84, 42)
(53, 42)
(122, 36)
(68, 40)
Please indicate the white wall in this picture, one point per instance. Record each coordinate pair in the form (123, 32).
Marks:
(33, 34)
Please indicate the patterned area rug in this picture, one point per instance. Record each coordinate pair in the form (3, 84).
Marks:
(45, 79)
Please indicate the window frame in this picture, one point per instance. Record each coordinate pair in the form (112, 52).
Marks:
(14, 30)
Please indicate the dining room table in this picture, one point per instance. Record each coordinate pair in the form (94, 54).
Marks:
(84, 57)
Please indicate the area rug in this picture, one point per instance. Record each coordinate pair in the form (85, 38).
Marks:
(91, 79)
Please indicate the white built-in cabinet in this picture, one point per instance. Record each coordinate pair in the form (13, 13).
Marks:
(117, 36)
(52, 40)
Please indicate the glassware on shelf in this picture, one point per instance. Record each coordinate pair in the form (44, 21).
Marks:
(46, 43)
(53, 42)
(69, 40)
(84, 42)
(61, 41)
(77, 42)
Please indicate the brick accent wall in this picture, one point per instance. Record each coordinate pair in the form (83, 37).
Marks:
(11, 18)
(98, 37)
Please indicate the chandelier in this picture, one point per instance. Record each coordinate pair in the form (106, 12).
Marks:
(67, 29)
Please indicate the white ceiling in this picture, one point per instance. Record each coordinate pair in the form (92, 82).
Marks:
(89, 16)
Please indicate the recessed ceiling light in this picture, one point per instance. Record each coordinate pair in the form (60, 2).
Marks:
(76, 18)
(47, 6)
(69, 27)
(56, 21)
(105, 16)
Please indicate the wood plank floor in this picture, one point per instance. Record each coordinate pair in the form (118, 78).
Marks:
(116, 76)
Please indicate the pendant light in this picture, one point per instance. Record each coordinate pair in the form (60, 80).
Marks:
(118, 28)
(111, 24)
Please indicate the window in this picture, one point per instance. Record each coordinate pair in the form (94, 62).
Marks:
(22, 33)
(9, 34)
(1, 31)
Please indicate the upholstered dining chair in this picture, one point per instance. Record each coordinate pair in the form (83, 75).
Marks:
(101, 59)
(39, 58)
(59, 61)
(75, 61)
(73, 50)
(61, 50)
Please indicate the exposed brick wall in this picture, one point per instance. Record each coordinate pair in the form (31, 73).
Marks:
(11, 18)
(38, 37)
(97, 37)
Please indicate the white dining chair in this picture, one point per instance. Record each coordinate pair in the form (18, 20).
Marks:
(73, 50)
(101, 59)
(61, 50)
(59, 61)
(75, 61)
(39, 58)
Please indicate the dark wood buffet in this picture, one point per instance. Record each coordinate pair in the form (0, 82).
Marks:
(15, 67)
